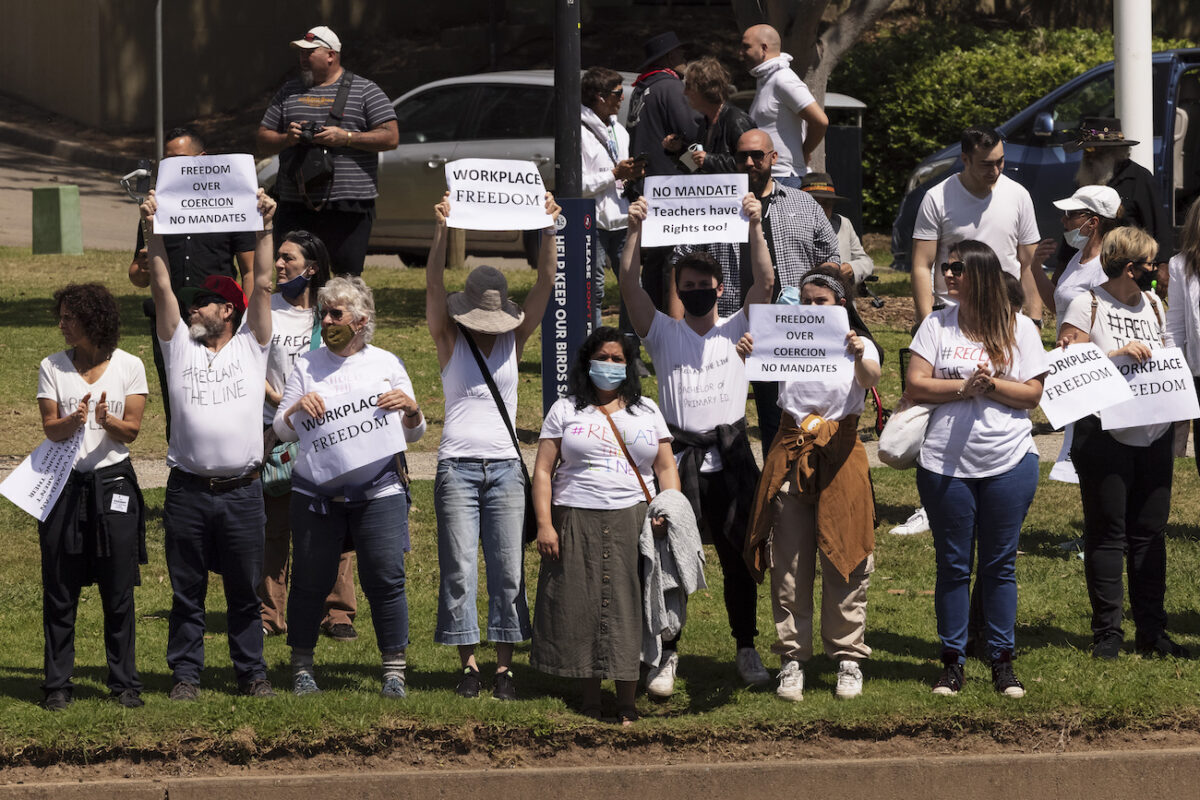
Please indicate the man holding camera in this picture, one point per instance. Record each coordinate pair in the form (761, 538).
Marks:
(327, 126)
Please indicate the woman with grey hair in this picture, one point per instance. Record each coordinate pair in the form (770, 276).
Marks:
(344, 494)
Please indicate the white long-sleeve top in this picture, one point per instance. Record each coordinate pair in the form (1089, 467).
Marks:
(612, 210)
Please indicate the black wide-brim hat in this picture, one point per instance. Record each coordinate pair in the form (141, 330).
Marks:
(657, 47)
(820, 186)
(1099, 132)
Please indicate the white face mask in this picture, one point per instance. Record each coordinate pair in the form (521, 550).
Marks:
(1076, 238)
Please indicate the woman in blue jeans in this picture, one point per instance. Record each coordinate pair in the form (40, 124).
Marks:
(982, 364)
(341, 497)
(479, 491)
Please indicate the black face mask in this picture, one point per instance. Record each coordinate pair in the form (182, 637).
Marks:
(1146, 278)
(698, 302)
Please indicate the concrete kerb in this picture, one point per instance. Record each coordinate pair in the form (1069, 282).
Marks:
(75, 152)
(1070, 776)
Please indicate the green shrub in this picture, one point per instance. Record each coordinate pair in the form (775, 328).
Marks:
(924, 85)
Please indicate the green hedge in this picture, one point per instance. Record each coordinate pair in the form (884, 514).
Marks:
(923, 86)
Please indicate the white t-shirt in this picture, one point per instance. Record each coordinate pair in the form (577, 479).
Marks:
(976, 437)
(701, 379)
(1116, 326)
(291, 335)
(328, 374)
(1003, 220)
(778, 99)
(216, 403)
(58, 380)
(593, 472)
(474, 427)
(1075, 280)
(827, 400)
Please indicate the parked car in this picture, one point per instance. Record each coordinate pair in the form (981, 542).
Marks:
(489, 115)
(1034, 139)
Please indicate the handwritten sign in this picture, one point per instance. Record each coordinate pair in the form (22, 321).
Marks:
(695, 209)
(799, 343)
(1162, 389)
(35, 485)
(207, 194)
(488, 194)
(1081, 381)
(351, 433)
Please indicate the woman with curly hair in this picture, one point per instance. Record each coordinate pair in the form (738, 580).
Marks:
(96, 532)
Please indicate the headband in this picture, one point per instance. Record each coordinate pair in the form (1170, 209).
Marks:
(829, 282)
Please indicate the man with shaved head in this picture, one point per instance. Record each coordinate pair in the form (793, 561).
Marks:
(783, 106)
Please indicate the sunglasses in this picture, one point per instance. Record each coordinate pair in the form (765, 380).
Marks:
(334, 314)
(617, 92)
(955, 268)
(753, 155)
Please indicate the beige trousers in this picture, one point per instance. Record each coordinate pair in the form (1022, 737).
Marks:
(794, 555)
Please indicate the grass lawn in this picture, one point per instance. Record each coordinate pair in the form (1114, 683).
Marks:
(1069, 693)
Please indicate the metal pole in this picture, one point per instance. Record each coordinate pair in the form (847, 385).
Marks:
(158, 80)
(1134, 76)
(568, 166)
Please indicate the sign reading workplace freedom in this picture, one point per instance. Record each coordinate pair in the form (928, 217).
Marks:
(35, 485)
(798, 343)
(488, 194)
(695, 209)
(1162, 389)
(1081, 381)
(207, 194)
(351, 433)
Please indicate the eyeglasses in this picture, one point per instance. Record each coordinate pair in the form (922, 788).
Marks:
(334, 314)
(1079, 212)
(955, 268)
(753, 155)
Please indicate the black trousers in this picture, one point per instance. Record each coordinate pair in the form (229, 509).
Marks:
(770, 415)
(344, 233)
(1126, 493)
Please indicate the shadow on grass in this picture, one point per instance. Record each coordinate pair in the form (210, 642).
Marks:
(891, 515)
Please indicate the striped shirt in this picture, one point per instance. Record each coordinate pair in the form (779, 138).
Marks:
(354, 171)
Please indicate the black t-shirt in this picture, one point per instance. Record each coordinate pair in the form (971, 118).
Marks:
(192, 257)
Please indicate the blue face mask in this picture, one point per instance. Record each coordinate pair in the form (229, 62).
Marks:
(606, 375)
(293, 288)
(790, 296)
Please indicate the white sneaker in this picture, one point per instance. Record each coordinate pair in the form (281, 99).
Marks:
(791, 682)
(917, 523)
(849, 680)
(750, 667)
(660, 680)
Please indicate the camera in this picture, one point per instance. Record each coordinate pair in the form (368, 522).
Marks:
(308, 130)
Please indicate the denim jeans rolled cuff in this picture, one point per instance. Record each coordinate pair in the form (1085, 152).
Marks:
(480, 502)
(378, 529)
(987, 513)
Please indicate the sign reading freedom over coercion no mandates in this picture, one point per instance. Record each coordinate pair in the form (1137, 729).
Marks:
(798, 343)
(695, 209)
(488, 194)
(351, 433)
(207, 194)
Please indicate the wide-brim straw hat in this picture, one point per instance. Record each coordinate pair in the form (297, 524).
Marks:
(483, 305)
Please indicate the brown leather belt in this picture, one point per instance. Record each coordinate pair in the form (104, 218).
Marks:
(216, 485)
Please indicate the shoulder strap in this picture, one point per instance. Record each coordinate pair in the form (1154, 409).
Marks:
(491, 384)
(339, 102)
(1095, 304)
(1154, 305)
(621, 441)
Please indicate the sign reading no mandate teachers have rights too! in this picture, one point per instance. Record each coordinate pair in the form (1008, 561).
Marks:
(695, 209)
(207, 194)
(488, 194)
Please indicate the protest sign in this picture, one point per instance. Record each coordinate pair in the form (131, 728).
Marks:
(36, 483)
(351, 433)
(1081, 381)
(695, 209)
(489, 194)
(798, 343)
(1162, 389)
(207, 194)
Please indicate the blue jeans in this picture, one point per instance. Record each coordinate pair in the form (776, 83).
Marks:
(222, 532)
(987, 512)
(378, 531)
(480, 501)
(608, 254)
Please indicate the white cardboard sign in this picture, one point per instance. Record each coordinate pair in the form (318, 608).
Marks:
(1162, 389)
(490, 194)
(798, 343)
(695, 209)
(207, 194)
(351, 433)
(1081, 381)
(35, 485)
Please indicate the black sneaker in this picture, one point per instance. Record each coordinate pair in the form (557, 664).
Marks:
(57, 700)
(1107, 646)
(1004, 679)
(470, 684)
(130, 698)
(505, 688)
(1164, 647)
(341, 632)
(183, 690)
(951, 680)
(259, 687)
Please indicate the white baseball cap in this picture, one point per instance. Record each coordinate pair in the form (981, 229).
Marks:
(1100, 200)
(320, 36)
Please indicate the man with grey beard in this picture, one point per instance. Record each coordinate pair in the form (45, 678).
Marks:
(330, 109)
(1106, 162)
